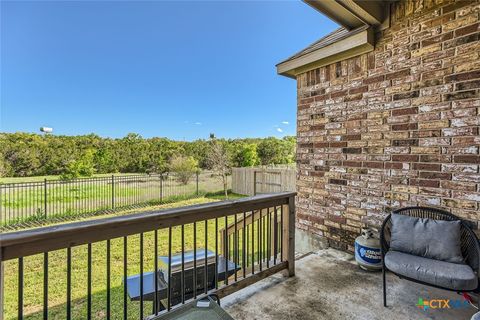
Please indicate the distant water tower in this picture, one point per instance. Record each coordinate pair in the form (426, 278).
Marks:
(46, 130)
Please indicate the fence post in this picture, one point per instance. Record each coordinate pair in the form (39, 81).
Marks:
(197, 181)
(161, 187)
(264, 180)
(254, 182)
(113, 192)
(45, 196)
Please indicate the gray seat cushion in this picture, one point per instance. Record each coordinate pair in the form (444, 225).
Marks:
(429, 238)
(476, 316)
(444, 274)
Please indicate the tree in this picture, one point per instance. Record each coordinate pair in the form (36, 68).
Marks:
(4, 169)
(248, 156)
(104, 161)
(219, 161)
(183, 167)
(28, 154)
(276, 151)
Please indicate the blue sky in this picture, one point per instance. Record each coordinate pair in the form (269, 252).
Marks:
(172, 69)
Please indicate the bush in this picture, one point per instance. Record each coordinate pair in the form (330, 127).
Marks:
(184, 168)
(83, 167)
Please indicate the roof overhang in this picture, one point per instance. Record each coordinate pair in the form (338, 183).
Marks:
(358, 19)
(354, 43)
(352, 14)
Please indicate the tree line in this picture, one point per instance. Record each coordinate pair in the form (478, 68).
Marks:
(28, 154)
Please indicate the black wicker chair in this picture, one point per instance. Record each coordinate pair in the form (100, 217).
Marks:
(469, 243)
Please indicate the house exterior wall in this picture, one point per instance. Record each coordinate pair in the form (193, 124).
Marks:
(395, 127)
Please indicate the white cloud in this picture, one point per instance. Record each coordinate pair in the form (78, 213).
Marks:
(285, 122)
(279, 129)
(198, 123)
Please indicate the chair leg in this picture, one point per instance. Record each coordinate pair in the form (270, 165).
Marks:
(384, 287)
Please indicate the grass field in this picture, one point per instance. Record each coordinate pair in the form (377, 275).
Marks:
(37, 200)
(33, 271)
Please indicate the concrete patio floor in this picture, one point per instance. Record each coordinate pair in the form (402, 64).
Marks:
(329, 285)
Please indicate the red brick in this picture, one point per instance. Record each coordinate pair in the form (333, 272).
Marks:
(435, 158)
(466, 30)
(338, 144)
(401, 112)
(463, 76)
(405, 158)
(435, 175)
(466, 158)
(398, 74)
(352, 150)
(407, 95)
(306, 101)
(352, 137)
(337, 219)
(361, 89)
(393, 165)
(424, 183)
(372, 164)
(352, 163)
(405, 126)
(468, 85)
(338, 181)
(317, 127)
(374, 79)
(427, 166)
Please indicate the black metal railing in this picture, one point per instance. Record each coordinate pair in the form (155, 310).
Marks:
(33, 201)
(101, 269)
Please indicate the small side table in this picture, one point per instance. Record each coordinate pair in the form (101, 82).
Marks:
(133, 288)
(202, 309)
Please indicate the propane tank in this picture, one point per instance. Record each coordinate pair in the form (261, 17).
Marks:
(367, 250)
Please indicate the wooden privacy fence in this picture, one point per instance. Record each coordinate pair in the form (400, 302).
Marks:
(253, 180)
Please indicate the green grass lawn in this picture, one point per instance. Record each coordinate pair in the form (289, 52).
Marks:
(33, 270)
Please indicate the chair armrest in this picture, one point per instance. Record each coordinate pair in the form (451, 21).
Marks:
(385, 235)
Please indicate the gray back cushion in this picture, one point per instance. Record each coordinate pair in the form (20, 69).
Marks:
(429, 238)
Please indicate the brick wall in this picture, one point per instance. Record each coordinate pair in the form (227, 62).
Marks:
(396, 127)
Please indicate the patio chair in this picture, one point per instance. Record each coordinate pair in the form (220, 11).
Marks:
(439, 259)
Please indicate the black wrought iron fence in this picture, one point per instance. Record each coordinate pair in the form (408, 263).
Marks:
(34, 201)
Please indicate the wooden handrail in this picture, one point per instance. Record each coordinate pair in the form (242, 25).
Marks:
(23, 243)
(248, 221)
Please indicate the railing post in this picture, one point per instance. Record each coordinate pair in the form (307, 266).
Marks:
(45, 196)
(288, 237)
(1, 209)
(222, 239)
(2, 282)
(113, 192)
